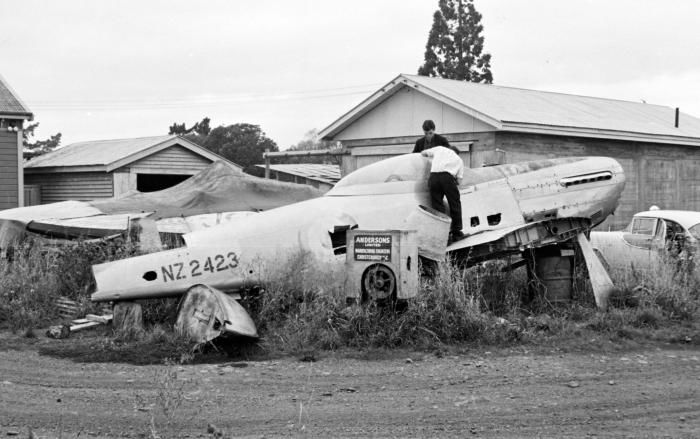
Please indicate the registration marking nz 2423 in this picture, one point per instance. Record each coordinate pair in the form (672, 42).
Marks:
(198, 267)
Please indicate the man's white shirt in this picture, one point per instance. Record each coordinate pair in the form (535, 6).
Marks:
(445, 160)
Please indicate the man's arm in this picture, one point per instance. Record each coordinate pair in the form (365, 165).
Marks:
(460, 174)
(442, 141)
(419, 146)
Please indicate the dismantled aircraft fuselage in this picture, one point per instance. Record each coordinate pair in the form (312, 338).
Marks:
(505, 208)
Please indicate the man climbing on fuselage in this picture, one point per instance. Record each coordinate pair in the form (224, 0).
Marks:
(446, 172)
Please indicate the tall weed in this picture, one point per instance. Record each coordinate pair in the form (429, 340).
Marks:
(28, 287)
(37, 274)
(305, 309)
(669, 287)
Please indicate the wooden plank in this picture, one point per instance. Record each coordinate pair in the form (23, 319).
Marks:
(90, 321)
(389, 150)
(100, 319)
(452, 137)
(80, 327)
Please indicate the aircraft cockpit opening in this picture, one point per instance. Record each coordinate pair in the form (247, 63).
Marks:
(403, 168)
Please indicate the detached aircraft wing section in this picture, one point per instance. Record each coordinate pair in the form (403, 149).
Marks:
(216, 195)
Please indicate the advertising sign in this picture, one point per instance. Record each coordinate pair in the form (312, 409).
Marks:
(371, 247)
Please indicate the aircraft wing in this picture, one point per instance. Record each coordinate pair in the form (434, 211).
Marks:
(493, 243)
(483, 237)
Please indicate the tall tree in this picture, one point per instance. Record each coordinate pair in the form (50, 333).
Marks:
(455, 44)
(196, 133)
(242, 143)
(34, 148)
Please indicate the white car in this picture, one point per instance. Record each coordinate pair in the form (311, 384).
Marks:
(650, 237)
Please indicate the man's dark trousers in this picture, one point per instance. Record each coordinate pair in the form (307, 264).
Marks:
(444, 184)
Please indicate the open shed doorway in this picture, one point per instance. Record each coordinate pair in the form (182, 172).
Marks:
(157, 182)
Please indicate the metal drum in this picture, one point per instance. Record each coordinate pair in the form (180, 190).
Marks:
(556, 274)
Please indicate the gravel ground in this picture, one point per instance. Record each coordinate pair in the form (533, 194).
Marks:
(648, 391)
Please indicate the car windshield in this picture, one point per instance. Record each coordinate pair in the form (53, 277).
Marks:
(643, 226)
(695, 231)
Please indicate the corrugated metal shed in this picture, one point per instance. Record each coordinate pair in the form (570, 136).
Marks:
(521, 110)
(111, 154)
(329, 174)
(10, 104)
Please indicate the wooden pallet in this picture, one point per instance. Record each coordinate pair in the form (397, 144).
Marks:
(67, 308)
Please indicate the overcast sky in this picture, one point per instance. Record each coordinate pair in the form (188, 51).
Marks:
(99, 70)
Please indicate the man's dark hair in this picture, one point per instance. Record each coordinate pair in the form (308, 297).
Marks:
(428, 125)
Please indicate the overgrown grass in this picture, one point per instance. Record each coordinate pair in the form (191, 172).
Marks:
(303, 306)
(305, 310)
(37, 274)
(296, 316)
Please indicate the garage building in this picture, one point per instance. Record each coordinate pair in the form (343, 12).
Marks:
(109, 168)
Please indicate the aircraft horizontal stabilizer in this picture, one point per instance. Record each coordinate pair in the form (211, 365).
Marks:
(207, 313)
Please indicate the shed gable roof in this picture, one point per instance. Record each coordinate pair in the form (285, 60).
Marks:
(516, 109)
(108, 155)
(10, 104)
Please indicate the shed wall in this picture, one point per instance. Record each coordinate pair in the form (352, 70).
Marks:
(173, 160)
(367, 151)
(79, 186)
(9, 178)
(656, 174)
(403, 114)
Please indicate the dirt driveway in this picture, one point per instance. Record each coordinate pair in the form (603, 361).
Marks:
(652, 391)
